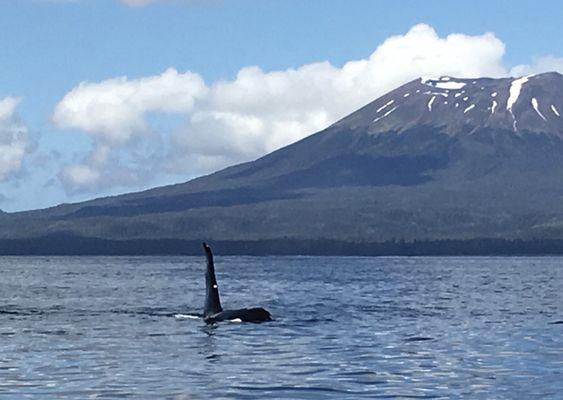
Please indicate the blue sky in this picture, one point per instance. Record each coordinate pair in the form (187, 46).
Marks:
(168, 89)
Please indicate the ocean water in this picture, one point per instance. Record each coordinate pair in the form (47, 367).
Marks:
(344, 328)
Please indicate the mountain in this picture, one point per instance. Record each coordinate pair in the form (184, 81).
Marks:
(462, 160)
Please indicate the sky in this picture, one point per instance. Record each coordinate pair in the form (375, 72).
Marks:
(102, 97)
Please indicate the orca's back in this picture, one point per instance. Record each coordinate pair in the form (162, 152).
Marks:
(257, 314)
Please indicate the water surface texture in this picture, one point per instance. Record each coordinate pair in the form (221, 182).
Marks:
(345, 328)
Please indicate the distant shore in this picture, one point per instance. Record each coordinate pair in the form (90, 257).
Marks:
(67, 244)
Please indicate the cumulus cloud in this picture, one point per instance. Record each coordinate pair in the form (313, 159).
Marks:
(113, 110)
(539, 65)
(13, 138)
(114, 113)
(258, 111)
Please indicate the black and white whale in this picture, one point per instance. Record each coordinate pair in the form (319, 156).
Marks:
(213, 312)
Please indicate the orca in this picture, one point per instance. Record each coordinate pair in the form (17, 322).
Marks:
(213, 312)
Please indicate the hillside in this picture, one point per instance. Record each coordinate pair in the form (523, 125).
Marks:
(455, 159)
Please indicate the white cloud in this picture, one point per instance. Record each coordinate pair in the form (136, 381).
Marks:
(258, 111)
(539, 65)
(13, 138)
(114, 113)
(115, 109)
(80, 175)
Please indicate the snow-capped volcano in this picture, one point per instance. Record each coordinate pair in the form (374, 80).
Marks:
(434, 159)
(526, 104)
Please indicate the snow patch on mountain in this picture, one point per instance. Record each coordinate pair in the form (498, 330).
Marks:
(437, 94)
(536, 107)
(455, 106)
(452, 85)
(445, 83)
(386, 114)
(430, 103)
(385, 105)
(471, 107)
(514, 92)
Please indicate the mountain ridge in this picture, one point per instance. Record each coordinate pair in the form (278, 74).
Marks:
(488, 102)
(409, 167)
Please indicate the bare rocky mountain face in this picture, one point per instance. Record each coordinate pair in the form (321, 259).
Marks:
(434, 159)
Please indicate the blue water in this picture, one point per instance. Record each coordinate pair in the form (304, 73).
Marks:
(345, 328)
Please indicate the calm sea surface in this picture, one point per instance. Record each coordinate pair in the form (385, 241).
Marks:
(345, 328)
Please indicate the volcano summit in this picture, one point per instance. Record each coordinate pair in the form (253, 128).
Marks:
(435, 159)
(458, 106)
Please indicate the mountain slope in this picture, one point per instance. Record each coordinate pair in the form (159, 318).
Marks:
(432, 159)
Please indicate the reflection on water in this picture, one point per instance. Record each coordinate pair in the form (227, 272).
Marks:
(79, 327)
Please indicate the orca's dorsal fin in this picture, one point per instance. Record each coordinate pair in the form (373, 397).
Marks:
(212, 301)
